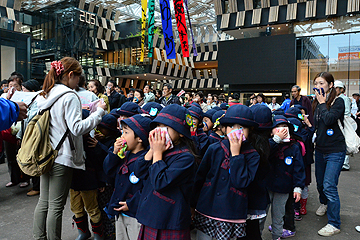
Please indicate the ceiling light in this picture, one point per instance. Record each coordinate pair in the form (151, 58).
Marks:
(145, 75)
(164, 77)
(137, 77)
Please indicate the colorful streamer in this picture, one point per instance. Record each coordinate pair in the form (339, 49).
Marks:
(167, 29)
(151, 22)
(191, 31)
(181, 26)
(143, 28)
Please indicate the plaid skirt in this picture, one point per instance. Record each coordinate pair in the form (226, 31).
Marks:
(148, 233)
(219, 229)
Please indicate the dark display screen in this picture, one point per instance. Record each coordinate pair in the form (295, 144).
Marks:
(262, 60)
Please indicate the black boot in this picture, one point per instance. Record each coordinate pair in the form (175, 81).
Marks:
(98, 230)
(83, 227)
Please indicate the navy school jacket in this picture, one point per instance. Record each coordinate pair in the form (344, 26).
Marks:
(94, 176)
(214, 137)
(201, 141)
(122, 170)
(165, 198)
(221, 181)
(309, 156)
(287, 168)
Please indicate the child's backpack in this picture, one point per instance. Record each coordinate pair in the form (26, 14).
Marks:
(36, 155)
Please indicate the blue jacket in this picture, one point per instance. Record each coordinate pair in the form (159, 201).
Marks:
(201, 141)
(287, 168)
(285, 105)
(214, 138)
(9, 113)
(165, 198)
(123, 170)
(93, 177)
(221, 181)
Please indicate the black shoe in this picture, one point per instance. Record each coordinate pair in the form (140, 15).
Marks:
(345, 169)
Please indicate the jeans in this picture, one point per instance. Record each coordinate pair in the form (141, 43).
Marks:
(327, 172)
(54, 189)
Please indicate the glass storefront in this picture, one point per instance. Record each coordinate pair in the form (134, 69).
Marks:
(337, 53)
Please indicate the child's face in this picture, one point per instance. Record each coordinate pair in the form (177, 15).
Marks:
(209, 124)
(196, 121)
(174, 135)
(129, 136)
(238, 126)
(275, 130)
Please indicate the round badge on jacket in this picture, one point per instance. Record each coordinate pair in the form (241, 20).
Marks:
(133, 179)
(330, 132)
(288, 160)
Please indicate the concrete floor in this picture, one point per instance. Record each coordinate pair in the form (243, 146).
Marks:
(16, 210)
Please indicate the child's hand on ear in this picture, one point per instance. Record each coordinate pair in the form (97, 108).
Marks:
(92, 142)
(282, 133)
(235, 143)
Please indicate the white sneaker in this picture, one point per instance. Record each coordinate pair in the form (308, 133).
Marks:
(328, 231)
(321, 210)
(357, 228)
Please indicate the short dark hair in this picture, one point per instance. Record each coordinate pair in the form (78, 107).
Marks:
(16, 78)
(235, 96)
(262, 96)
(81, 80)
(298, 88)
(3, 82)
(113, 82)
(201, 94)
(141, 92)
(131, 90)
(168, 85)
(19, 75)
(122, 92)
(117, 86)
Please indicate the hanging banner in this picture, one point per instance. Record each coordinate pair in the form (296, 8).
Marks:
(143, 28)
(151, 21)
(167, 29)
(181, 26)
(191, 31)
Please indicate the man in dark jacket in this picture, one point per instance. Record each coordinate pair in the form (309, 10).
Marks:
(114, 97)
(301, 100)
(168, 98)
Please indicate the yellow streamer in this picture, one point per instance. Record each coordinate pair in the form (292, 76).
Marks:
(143, 26)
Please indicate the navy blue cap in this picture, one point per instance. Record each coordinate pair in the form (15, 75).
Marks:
(279, 111)
(294, 112)
(224, 106)
(262, 116)
(239, 114)
(301, 107)
(210, 113)
(152, 108)
(196, 112)
(127, 109)
(195, 104)
(140, 125)
(176, 117)
(217, 115)
(297, 127)
(217, 108)
(109, 122)
(278, 119)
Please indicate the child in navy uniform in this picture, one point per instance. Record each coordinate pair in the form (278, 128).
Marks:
(207, 121)
(286, 172)
(125, 199)
(218, 132)
(227, 169)
(199, 137)
(168, 169)
(85, 184)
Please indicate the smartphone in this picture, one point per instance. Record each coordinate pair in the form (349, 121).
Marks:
(320, 91)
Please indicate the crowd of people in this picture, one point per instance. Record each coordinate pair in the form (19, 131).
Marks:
(154, 165)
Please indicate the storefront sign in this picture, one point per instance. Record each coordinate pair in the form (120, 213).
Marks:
(348, 55)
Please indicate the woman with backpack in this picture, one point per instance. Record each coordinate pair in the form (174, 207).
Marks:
(65, 114)
(329, 151)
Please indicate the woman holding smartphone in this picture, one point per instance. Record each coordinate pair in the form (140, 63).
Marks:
(329, 151)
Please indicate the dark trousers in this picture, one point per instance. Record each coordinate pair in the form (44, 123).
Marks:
(14, 170)
(36, 183)
(252, 230)
(289, 222)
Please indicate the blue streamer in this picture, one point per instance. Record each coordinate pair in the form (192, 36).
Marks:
(167, 29)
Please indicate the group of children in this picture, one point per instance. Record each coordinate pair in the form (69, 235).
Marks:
(159, 173)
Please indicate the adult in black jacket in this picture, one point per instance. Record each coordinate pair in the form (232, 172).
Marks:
(168, 98)
(329, 151)
(114, 97)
